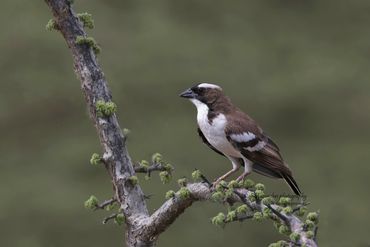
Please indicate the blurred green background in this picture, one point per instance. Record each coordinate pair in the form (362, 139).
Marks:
(300, 68)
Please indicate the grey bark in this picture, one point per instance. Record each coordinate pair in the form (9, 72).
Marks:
(95, 87)
(142, 229)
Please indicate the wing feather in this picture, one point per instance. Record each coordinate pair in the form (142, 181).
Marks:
(245, 135)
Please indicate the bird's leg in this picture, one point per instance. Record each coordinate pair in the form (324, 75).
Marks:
(241, 177)
(226, 175)
(236, 166)
(247, 170)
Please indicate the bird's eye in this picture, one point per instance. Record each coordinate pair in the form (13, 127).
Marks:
(200, 90)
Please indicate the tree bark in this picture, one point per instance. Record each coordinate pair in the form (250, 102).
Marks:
(95, 87)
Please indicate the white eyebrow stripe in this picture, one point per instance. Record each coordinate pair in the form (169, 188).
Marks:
(209, 85)
(244, 137)
(260, 145)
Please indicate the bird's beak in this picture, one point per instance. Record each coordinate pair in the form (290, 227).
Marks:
(188, 93)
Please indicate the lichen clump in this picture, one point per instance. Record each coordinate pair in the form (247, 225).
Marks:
(90, 41)
(105, 109)
(86, 20)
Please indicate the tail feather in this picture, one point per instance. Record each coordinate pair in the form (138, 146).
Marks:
(292, 184)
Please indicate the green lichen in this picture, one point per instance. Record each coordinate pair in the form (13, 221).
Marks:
(229, 193)
(184, 193)
(51, 25)
(86, 20)
(267, 212)
(157, 158)
(126, 131)
(257, 216)
(168, 167)
(219, 220)
(134, 180)
(233, 184)
(284, 201)
(111, 206)
(287, 210)
(284, 229)
(310, 234)
(170, 194)
(105, 109)
(144, 164)
(309, 225)
(221, 185)
(95, 159)
(165, 177)
(182, 182)
(260, 186)
(196, 175)
(90, 41)
(301, 211)
(313, 216)
(91, 203)
(242, 209)
(217, 196)
(119, 219)
(231, 216)
(294, 236)
(259, 194)
(268, 200)
(280, 243)
(248, 183)
(252, 197)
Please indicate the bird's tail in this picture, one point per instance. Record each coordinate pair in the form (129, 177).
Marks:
(292, 184)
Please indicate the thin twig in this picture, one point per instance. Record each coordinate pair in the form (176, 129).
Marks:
(105, 203)
(298, 207)
(110, 217)
(153, 167)
(205, 180)
(278, 214)
(315, 234)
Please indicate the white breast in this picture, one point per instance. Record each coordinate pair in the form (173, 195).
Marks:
(214, 132)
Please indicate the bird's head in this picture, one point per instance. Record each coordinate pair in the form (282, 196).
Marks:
(205, 93)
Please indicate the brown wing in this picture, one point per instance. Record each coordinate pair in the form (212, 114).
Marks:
(245, 135)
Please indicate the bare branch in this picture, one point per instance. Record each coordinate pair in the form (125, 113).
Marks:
(105, 203)
(163, 217)
(153, 167)
(110, 217)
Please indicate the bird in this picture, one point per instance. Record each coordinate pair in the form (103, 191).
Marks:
(230, 132)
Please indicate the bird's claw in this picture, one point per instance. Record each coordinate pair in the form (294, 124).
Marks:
(242, 177)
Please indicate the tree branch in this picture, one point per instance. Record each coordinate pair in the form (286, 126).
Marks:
(95, 88)
(163, 217)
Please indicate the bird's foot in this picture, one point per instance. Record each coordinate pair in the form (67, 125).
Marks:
(242, 177)
(216, 182)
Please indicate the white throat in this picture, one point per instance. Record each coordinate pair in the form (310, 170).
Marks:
(202, 109)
